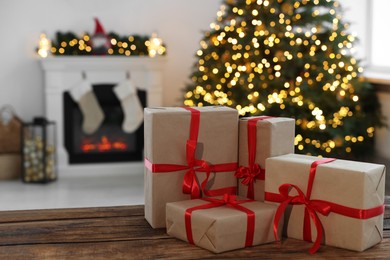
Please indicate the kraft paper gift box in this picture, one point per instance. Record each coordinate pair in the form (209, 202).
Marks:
(223, 226)
(259, 138)
(181, 145)
(351, 193)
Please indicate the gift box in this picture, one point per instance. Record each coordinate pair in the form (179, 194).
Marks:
(189, 153)
(259, 138)
(337, 202)
(221, 224)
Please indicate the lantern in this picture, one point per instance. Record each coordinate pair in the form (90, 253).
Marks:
(39, 161)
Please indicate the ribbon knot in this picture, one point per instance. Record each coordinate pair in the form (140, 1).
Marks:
(301, 199)
(312, 207)
(192, 166)
(229, 200)
(250, 175)
(190, 182)
(253, 172)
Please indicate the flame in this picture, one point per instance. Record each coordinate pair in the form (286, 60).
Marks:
(105, 145)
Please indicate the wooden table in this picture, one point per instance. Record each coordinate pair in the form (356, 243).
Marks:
(123, 233)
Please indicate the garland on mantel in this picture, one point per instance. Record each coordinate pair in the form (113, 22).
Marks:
(69, 44)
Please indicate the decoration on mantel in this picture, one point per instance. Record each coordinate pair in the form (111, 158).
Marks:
(44, 46)
(69, 44)
(100, 41)
(155, 46)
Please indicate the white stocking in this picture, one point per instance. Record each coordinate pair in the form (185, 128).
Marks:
(131, 105)
(92, 113)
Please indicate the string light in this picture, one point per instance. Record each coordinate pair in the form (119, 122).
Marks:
(155, 46)
(44, 46)
(70, 44)
(276, 60)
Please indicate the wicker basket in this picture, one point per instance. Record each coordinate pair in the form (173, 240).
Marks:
(10, 131)
(10, 145)
(10, 166)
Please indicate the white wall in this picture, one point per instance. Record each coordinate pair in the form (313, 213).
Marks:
(179, 23)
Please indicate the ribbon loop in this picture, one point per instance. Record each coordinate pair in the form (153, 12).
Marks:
(190, 152)
(230, 200)
(312, 207)
(190, 182)
(250, 175)
(253, 172)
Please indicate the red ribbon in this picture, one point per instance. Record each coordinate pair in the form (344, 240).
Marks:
(312, 207)
(229, 201)
(190, 183)
(253, 172)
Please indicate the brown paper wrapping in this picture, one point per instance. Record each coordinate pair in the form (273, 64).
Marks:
(222, 228)
(275, 136)
(352, 184)
(166, 133)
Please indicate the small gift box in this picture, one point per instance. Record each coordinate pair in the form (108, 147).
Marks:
(221, 224)
(259, 138)
(189, 153)
(338, 202)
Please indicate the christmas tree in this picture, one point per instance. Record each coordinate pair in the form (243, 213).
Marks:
(289, 58)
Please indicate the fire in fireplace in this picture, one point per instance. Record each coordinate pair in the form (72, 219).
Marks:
(109, 143)
(103, 145)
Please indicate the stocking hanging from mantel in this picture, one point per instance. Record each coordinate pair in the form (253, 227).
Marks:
(132, 108)
(93, 115)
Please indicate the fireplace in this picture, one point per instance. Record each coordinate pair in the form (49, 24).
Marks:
(109, 143)
(110, 150)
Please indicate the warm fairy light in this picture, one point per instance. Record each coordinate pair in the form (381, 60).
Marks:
(44, 46)
(155, 46)
(259, 62)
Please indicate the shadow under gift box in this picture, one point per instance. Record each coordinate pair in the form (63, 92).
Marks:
(221, 228)
(356, 185)
(167, 130)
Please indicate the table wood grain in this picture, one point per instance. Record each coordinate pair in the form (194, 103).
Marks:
(123, 233)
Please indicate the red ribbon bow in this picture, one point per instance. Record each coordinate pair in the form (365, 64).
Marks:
(190, 182)
(229, 201)
(253, 172)
(249, 175)
(312, 207)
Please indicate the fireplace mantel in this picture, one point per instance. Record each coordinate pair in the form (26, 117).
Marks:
(72, 63)
(64, 73)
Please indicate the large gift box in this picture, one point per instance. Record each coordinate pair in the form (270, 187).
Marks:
(189, 153)
(221, 224)
(337, 202)
(259, 138)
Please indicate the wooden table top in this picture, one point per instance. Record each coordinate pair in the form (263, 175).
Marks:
(123, 233)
